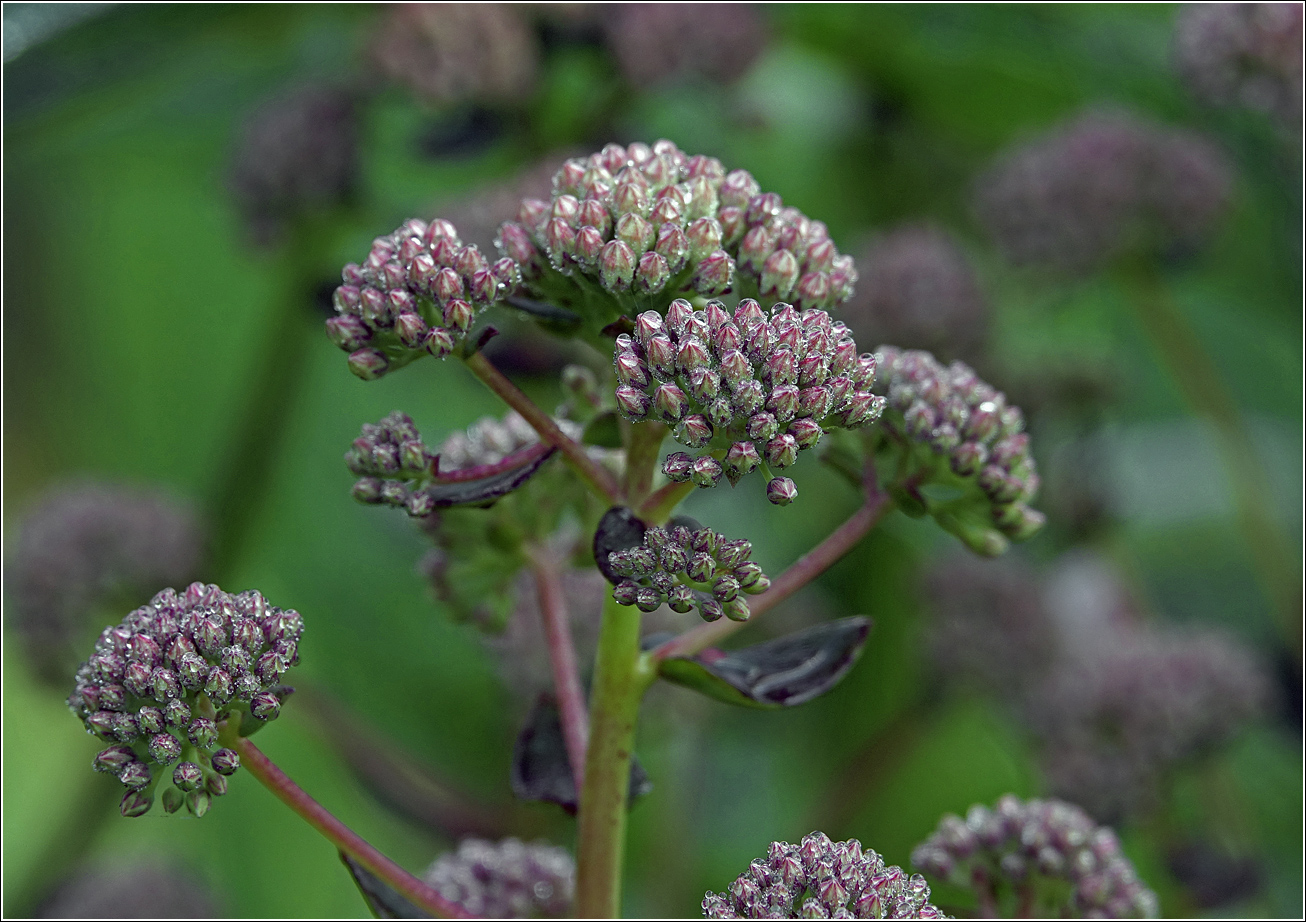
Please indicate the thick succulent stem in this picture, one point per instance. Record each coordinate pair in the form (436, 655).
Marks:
(337, 833)
(562, 658)
(643, 444)
(658, 505)
(596, 477)
(1277, 563)
(619, 683)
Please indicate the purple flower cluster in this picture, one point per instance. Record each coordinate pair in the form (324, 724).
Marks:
(455, 52)
(509, 879)
(643, 221)
(1117, 717)
(1243, 54)
(918, 287)
(1101, 186)
(296, 153)
(79, 548)
(956, 429)
(687, 569)
(745, 391)
(1018, 852)
(160, 680)
(656, 42)
(417, 292)
(820, 879)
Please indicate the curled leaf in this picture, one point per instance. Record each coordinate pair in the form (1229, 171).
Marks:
(384, 901)
(484, 491)
(784, 672)
(541, 769)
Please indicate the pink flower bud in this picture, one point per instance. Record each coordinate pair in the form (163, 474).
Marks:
(705, 471)
(632, 402)
(439, 343)
(631, 369)
(652, 274)
(635, 232)
(694, 431)
(806, 432)
(458, 315)
(740, 460)
(515, 243)
(677, 466)
(559, 240)
(666, 211)
(447, 284)
(779, 273)
(671, 402)
(589, 246)
(672, 246)
(368, 364)
(738, 188)
(678, 313)
(692, 354)
(616, 266)
(714, 273)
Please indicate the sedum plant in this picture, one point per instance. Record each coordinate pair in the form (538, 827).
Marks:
(714, 309)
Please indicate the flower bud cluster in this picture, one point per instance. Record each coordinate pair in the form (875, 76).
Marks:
(417, 292)
(509, 879)
(1099, 187)
(917, 286)
(820, 879)
(1117, 718)
(298, 152)
(1028, 843)
(160, 680)
(965, 429)
(394, 466)
(455, 52)
(743, 391)
(687, 569)
(1243, 54)
(78, 549)
(657, 42)
(644, 221)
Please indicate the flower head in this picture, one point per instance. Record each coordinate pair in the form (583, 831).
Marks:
(161, 680)
(1105, 184)
(84, 547)
(820, 879)
(416, 293)
(686, 569)
(743, 391)
(918, 287)
(1243, 54)
(454, 52)
(509, 879)
(298, 152)
(955, 429)
(1022, 844)
(656, 42)
(648, 223)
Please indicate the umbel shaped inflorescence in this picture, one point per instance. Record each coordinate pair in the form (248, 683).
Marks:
(745, 391)
(955, 433)
(161, 680)
(639, 221)
(1047, 853)
(820, 879)
(417, 292)
(509, 879)
(688, 568)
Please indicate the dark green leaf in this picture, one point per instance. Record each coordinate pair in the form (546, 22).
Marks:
(485, 491)
(784, 672)
(541, 769)
(618, 530)
(544, 311)
(384, 901)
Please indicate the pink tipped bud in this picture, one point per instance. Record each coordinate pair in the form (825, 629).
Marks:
(813, 402)
(678, 313)
(782, 451)
(783, 402)
(671, 402)
(616, 266)
(458, 315)
(677, 466)
(779, 273)
(447, 284)
(806, 432)
(515, 243)
(672, 246)
(661, 355)
(694, 431)
(368, 364)
(764, 206)
(631, 369)
(632, 402)
(714, 274)
(706, 471)
(781, 491)
(733, 225)
(652, 274)
(348, 332)
(532, 213)
(738, 188)
(704, 237)
(762, 427)
(559, 239)
(484, 287)
(666, 211)
(439, 343)
(741, 459)
(631, 198)
(635, 232)
(594, 214)
(692, 354)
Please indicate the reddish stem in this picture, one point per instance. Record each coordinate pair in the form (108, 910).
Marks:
(599, 478)
(519, 458)
(562, 656)
(803, 571)
(341, 836)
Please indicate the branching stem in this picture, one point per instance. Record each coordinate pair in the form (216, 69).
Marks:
(598, 478)
(340, 835)
(562, 658)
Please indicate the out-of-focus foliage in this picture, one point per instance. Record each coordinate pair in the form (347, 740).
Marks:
(140, 319)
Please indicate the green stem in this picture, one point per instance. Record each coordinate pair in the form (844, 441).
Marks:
(1193, 369)
(619, 683)
(337, 833)
(657, 508)
(599, 479)
(642, 449)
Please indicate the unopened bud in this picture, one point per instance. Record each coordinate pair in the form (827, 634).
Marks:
(781, 491)
(616, 266)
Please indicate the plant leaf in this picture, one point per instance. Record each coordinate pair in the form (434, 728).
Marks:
(784, 672)
(544, 311)
(618, 529)
(541, 769)
(384, 901)
(485, 491)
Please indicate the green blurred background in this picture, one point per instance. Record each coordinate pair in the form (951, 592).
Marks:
(136, 317)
